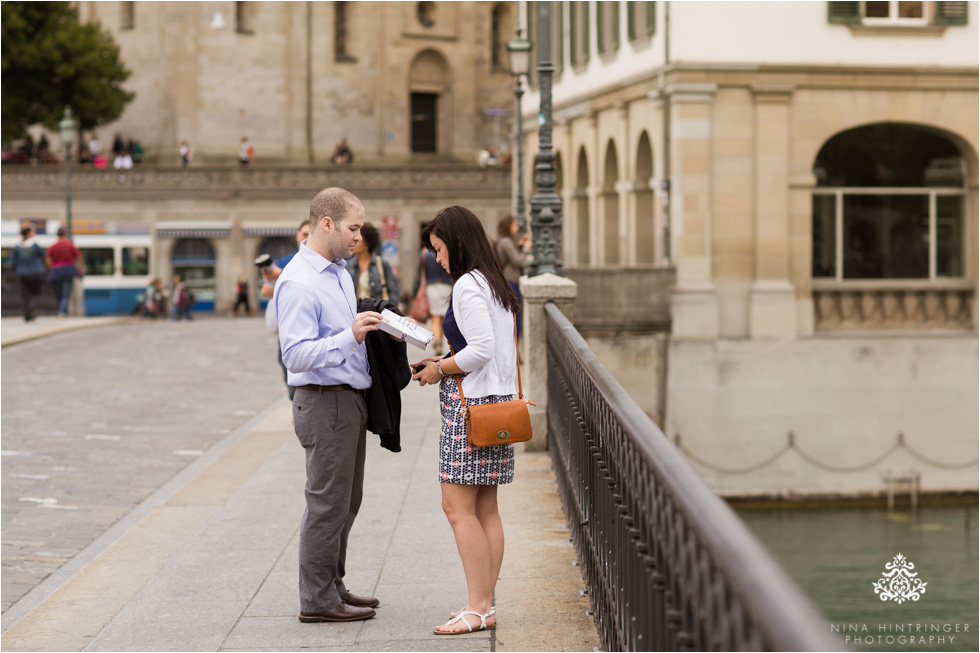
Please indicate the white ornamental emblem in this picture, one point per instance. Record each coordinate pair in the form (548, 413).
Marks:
(899, 582)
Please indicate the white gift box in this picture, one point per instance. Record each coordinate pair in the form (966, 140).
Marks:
(404, 329)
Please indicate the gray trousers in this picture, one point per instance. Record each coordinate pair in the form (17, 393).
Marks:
(331, 428)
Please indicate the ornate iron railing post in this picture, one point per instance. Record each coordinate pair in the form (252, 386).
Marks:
(545, 205)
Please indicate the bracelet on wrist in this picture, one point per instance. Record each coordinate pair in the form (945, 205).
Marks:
(439, 368)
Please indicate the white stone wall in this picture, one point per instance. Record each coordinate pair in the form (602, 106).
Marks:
(750, 34)
(845, 399)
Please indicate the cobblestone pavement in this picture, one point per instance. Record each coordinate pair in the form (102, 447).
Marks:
(96, 420)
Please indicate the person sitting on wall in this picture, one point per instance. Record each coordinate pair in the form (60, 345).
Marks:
(342, 153)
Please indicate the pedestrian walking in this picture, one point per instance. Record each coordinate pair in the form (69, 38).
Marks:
(241, 295)
(372, 275)
(182, 300)
(27, 260)
(186, 154)
(245, 152)
(438, 288)
(512, 255)
(322, 338)
(479, 325)
(154, 299)
(65, 261)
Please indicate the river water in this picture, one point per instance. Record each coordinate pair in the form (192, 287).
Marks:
(837, 555)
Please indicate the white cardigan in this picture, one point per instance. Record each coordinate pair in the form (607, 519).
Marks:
(490, 356)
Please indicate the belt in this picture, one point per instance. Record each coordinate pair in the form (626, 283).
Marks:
(342, 387)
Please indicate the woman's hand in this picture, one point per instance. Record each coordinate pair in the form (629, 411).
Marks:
(429, 373)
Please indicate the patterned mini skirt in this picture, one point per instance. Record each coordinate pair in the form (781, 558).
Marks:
(459, 461)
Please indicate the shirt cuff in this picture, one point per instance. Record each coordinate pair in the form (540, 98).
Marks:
(346, 342)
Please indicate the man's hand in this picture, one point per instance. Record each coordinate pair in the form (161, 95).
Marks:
(364, 323)
(268, 290)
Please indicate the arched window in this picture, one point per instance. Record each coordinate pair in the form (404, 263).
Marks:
(429, 87)
(610, 206)
(645, 226)
(582, 228)
(193, 259)
(889, 204)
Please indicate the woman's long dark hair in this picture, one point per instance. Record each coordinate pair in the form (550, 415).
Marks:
(469, 249)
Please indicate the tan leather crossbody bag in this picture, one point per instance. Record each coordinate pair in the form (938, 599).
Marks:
(505, 422)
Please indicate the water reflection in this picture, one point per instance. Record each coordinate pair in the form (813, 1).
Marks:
(837, 555)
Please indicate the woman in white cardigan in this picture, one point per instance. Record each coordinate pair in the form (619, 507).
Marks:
(479, 326)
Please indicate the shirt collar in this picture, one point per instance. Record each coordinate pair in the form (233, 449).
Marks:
(316, 261)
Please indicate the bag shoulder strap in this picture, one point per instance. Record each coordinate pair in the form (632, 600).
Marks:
(381, 273)
(520, 386)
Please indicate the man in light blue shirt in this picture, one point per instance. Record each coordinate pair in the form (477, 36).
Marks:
(322, 339)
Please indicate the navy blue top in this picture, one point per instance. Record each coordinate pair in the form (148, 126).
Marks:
(282, 262)
(449, 327)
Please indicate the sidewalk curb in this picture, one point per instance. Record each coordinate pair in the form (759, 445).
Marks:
(43, 332)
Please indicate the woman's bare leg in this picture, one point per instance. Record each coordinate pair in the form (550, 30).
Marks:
(459, 502)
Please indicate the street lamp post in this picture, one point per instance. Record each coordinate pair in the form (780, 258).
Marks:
(545, 205)
(67, 132)
(519, 53)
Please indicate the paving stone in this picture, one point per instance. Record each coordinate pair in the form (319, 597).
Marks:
(141, 382)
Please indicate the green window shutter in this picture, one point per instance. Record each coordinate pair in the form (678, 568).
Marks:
(951, 13)
(573, 33)
(843, 13)
(630, 21)
(600, 16)
(615, 25)
(651, 17)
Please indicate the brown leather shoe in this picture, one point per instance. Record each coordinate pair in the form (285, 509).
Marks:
(360, 601)
(342, 612)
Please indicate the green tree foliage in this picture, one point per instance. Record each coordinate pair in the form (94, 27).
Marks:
(51, 61)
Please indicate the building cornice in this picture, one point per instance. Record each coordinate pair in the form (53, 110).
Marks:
(649, 83)
(452, 180)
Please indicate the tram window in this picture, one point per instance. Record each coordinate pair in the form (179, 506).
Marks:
(98, 261)
(135, 261)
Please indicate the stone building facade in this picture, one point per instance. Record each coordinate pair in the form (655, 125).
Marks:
(399, 80)
(809, 172)
(416, 88)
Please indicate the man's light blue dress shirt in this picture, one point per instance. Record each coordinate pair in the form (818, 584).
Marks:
(315, 304)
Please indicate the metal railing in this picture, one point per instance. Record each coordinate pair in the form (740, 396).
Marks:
(668, 565)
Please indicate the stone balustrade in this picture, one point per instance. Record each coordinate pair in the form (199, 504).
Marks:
(871, 306)
(402, 180)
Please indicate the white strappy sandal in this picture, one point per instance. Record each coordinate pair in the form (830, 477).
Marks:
(483, 623)
(453, 615)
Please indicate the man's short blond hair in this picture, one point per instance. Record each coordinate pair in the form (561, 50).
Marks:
(334, 202)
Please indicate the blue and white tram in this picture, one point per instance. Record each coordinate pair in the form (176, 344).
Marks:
(117, 268)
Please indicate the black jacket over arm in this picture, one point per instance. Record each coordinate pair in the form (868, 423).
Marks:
(390, 374)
